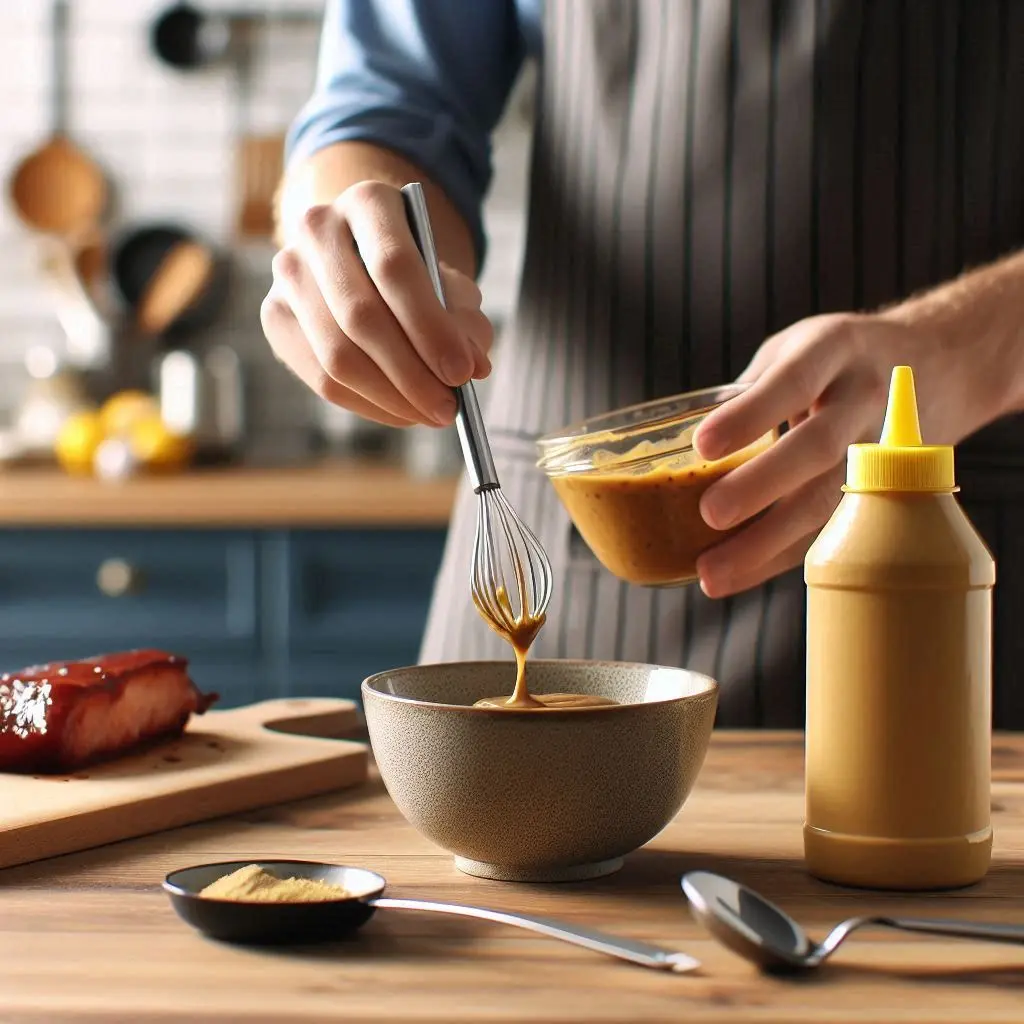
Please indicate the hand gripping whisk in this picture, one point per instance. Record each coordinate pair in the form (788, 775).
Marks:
(511, 576)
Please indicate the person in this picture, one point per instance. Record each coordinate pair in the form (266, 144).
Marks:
(799, 193)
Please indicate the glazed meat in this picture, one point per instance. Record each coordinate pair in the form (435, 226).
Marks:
(59, 717)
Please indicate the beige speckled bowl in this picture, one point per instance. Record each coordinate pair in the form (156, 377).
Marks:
(547, 795)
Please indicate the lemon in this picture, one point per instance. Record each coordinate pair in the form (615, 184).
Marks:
(121, 411)
(79, 437)
(156, 446)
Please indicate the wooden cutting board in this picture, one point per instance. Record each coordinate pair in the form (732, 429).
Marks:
(227, 761)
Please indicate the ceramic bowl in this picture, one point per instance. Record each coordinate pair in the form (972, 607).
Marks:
(555, 795)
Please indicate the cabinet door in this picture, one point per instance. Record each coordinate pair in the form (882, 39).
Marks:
(355, 603)
(71, 594)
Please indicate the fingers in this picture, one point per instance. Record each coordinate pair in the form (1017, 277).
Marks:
(787, 387)
(783, 562)
(763, 358)
(365, 310)
(463, 298)
(376, 217)
(392, 383)
(290, 346)
(753, 554)
(808, 450)
(462, 292)
(328, 258)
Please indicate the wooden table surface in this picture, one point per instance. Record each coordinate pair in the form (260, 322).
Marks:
(91, 937)
(334, 492)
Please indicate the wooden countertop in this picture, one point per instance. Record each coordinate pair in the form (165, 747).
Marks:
(333, 493)
(91, 937)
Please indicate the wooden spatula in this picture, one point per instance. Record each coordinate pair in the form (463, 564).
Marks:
(261, 164)
(179, 279)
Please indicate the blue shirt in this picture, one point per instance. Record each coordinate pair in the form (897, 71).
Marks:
(428, 79)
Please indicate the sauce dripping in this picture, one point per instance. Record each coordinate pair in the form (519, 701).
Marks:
(521, 636)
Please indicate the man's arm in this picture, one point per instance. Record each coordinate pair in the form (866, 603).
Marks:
(407, 90)
(828, 377)
(978, 319)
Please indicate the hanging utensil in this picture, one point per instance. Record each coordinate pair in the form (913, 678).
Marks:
(59, 189)
(91, 266)
(259, 158)
(261, 166)
(187, 38)
(89, 335)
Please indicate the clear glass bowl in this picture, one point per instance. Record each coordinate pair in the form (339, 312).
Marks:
(631, 482)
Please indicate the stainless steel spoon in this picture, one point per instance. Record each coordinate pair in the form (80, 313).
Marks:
(328, 920)
(758, 930)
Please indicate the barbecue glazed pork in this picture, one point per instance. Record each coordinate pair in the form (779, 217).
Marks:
(59, 717)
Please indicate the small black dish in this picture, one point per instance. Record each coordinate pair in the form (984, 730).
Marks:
(275, 923)
(327, 920)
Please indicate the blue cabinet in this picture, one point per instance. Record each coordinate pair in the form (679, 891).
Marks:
(258, 613)
(350, 604)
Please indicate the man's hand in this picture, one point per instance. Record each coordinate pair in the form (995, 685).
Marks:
(353, 314)
(827, 377)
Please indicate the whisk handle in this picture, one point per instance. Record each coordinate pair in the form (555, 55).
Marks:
(469, 421)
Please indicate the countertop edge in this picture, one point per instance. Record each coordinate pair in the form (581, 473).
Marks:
(340, 493)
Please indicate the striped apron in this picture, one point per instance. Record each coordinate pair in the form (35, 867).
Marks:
(704, 173)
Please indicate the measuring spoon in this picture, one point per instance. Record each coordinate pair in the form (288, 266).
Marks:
(326, 920)
(758, 930)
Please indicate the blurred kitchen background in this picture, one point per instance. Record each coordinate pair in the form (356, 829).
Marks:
(177, 261)
(163, 481)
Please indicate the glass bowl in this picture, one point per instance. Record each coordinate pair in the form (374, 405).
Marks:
(631, 482)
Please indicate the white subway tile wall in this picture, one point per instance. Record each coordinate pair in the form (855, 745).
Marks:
(167, 139)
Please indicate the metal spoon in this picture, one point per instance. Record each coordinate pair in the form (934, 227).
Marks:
(758, 930)
(327, 920)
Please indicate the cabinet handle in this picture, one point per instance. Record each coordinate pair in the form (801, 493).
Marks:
(116, 577)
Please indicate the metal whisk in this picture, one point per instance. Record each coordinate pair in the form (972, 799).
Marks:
(511, 576)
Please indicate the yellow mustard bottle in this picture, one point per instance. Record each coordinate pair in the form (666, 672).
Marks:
(899, 667)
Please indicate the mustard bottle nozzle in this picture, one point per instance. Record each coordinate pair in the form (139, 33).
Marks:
(902, 428)
(900, 461)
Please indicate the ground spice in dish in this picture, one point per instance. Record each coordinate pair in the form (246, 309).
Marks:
(252, 884)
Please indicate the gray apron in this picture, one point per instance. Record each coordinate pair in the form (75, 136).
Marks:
(704, 174)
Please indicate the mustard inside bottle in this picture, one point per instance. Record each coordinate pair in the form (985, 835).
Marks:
(899, 622)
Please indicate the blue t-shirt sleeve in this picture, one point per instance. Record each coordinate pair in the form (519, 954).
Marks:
(428, 79)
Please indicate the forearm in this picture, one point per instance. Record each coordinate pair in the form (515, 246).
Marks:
(327, 173)
(978, 319)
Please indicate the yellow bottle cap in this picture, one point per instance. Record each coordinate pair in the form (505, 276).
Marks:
(900, 462)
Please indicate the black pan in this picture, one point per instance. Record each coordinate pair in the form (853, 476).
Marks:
(137, 254)
(186, 38)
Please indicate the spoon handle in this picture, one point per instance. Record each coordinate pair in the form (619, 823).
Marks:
(626, 949)
(956, 929)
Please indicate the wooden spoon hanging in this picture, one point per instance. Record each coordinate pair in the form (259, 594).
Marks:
(58, 189)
